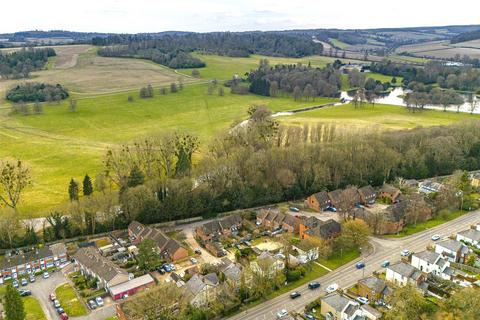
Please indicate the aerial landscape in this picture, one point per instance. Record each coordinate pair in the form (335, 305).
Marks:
(260, 160)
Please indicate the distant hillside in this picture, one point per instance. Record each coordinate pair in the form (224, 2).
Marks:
(467, 36)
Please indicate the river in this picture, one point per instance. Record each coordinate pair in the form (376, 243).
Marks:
(395, 98)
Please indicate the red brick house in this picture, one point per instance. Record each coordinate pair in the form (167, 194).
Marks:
(226, 226)
(313, 227)
(318, 201)
(368, 195)
(390, 192)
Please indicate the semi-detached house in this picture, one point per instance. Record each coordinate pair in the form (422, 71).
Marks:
(470, 236)
(453, 251)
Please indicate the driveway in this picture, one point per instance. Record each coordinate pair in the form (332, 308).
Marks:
(190, 239)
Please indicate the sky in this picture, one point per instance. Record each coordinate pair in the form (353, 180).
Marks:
(128, 16)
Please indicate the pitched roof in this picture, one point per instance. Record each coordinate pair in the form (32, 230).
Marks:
(427, 255)
(322, 197)
(103, 267)
(311, 222)
(389, 189)
(29, 256)
(230, 221)
(165, 244)
(326, 229)
(471, 234)
(132, 284)
(373, 283)
(290, 220)
(198, 282)
(451, 245)
(403, 269)
(335, 195)
(367, 191)
(135, 227)
(211, 279)
(58, 249)
(337, 301)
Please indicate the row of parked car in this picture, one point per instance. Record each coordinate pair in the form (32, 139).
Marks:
(94, 304)
(166, 267)
(56, 304)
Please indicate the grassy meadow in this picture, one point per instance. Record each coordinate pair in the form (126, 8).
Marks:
(58, 144)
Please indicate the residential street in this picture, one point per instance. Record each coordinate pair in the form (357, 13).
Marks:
(347, 275)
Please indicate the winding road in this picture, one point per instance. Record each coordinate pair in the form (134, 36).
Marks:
(347, 275)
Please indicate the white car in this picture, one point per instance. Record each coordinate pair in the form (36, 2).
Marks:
(282, 313)
(331, 288)
(405, 253)
(193, 260)
(362, 300)
(436, 237)
(99, 301)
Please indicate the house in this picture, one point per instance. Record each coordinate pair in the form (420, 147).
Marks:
(373, 288)
(268, 263)
(131, 287)
(212, 230)
(231, 271)
(202, 289)
(215, 248)
(431, 262)
(313, 227)
(475, 179)
(306, 254)
(337, 306)
(33, 261)
(368, 195)
(168, 249)
(402, 274)
(429, 186)
(335, 198)
(318, 201)
(93, 264)
(291, 224)
(274, 220)
(470, 236)
(394, 218)
(390, 192)
(453, 251)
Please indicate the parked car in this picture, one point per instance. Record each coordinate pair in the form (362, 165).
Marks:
(295, 294)
(309, 316)
(24, 293)
(405, 253)
(167, 268)
(294, 209)
(385, 264)
(52, 297)
(32, 278)
(314, 285)
(282, 313)
(436, 237)
(332, 209)
(15, 283)
(360, 265)
(60, 310)
(331, 288)
(56, 304)
(193, 260)
(63, 316)
(24, 282)
(362, 300)
(92, 304)
(198, 251)
(46, 275)
(172, 267)
(160, 270)
(99, 301)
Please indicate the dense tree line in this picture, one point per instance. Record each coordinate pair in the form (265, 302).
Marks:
(35, 91)
(298, 80)
(459, 78)
(422, 95)
(174, 50)
(466, 36)
(19, 64)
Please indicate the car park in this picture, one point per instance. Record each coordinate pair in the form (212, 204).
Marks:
(362, 300)
(314, 285)
(56, 304)
(360, 265)
(24, 293)
(331, 288)
(436, 237)
(282, 313)
(46, 275)
(15, 283)
(92, 304)
(24, 282)
(405, 253)
(385, 264)
(193, 260)
(99, 301)
(295, 295)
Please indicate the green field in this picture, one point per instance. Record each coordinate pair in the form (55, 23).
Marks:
(381, 116)
(33, 309)
(338, 44)
(69, 301)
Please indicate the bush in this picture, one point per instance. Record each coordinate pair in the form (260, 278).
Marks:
(37, 92)
(293, 275)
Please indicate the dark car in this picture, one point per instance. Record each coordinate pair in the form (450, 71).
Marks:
(63, 316)
(295, 295)
(314, 285)
(360, 265)
(309, 316)
(60, 310)
(92, 305)
(24, 293)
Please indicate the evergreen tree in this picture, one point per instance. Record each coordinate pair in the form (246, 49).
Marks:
(73, 190)
(14, 309)
(87, 186)
(136, 177)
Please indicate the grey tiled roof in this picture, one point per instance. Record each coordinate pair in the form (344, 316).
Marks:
(373, 283)
(471, 234)
(451, 245)
(336, 301)
(30, 256)
(104, 268)
(427, 255)
(403, 269)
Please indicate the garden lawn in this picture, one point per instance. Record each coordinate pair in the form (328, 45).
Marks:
(69, 301)
(33, 309)
(380, 116)
(338, 259)
(410, 229)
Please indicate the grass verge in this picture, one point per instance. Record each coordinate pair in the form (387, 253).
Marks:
(33, 309)
(69, 301)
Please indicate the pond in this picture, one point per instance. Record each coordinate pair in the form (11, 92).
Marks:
(395, 97)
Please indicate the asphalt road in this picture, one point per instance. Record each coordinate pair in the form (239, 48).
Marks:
(348, 275)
